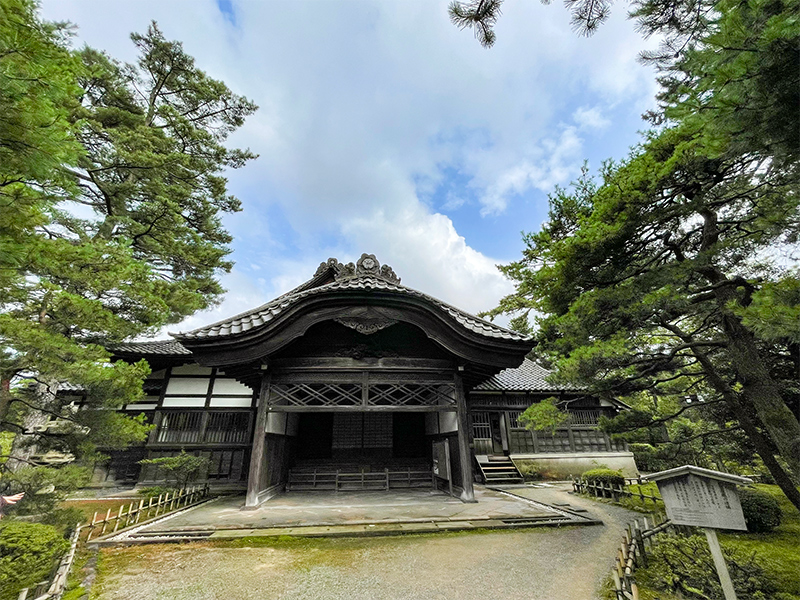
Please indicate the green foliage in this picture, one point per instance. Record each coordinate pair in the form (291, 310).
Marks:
(762, 513)
(667, 275)
(683, 565)
(181, 468)
(604, 476)
(112, 191)
(544, 416)
(44, 487)
(28, 554)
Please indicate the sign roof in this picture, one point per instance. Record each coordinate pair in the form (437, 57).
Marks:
(699, 471)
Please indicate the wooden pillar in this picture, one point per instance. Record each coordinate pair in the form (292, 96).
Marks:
(257, 453)
(464, 452)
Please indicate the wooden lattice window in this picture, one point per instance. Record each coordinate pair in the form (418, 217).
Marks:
(410, 394)
(513, 419)
(180, 427)
(315, 394)
(584, 417)
(481, 426)
(227, 427)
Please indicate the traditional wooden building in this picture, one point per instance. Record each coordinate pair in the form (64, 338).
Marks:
(353, 381)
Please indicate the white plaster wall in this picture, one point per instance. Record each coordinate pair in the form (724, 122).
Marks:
(184, 402)
(178, 385)
(231, 402)
(231, 386)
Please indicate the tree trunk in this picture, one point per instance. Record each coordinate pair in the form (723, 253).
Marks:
(782, 478)
(760, 391)
(742, 412)
(5, 399)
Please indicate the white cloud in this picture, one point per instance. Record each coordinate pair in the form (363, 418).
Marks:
(559, 160)
(428, 255)
(365, 103)
(590, 118)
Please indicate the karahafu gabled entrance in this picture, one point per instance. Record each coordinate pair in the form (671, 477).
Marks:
(355, 365)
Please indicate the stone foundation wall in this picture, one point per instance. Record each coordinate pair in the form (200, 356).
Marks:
(564, 465)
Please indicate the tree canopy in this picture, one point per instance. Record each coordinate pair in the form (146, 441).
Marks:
(675, 272)
(112, 186)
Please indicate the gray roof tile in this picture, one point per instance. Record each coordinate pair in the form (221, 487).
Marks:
(264, 314)
(528, 377)
(163, 347)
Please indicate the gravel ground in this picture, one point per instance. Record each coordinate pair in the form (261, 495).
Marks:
(546, 563)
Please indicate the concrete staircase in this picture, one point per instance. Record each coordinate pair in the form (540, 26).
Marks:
(499, 470)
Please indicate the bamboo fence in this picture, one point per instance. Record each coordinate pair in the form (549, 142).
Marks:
(126, 516)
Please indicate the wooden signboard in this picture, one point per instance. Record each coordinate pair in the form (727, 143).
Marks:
(707, 499)
(702, 502)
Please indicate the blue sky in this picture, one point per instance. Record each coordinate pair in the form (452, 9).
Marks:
(384, 129)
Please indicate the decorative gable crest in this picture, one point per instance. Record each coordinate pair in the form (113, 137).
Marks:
(366, 265)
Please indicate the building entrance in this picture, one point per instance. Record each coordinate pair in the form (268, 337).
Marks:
(363, 437)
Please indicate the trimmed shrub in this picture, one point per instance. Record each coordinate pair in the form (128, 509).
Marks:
(762, 512)
(28, 554)
(604, 476)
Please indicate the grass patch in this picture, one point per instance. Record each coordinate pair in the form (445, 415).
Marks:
(779, 550)
(88, 507)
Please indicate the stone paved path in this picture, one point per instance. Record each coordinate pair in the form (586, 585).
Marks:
(344, 508)
(565, 563)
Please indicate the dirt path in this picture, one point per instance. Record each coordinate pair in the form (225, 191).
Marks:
(538, 564)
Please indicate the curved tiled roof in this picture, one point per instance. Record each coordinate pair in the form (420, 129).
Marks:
(528, 377)
(269, 311)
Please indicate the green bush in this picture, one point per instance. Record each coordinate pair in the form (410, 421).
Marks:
(28, 554)
(762, 512)
(604, 476)
(683, 566)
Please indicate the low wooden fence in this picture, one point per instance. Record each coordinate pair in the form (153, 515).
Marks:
(124, 517)
(609, 490)
(151, 508)
(632, 553)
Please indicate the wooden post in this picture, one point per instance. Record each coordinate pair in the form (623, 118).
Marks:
(719, 563)
(640, 544)
(468, 492)
(119, 516)
(259, 439)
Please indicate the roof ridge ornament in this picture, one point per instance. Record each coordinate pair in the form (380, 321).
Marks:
(367, 265)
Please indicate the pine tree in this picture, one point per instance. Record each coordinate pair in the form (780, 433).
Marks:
(112, 186)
